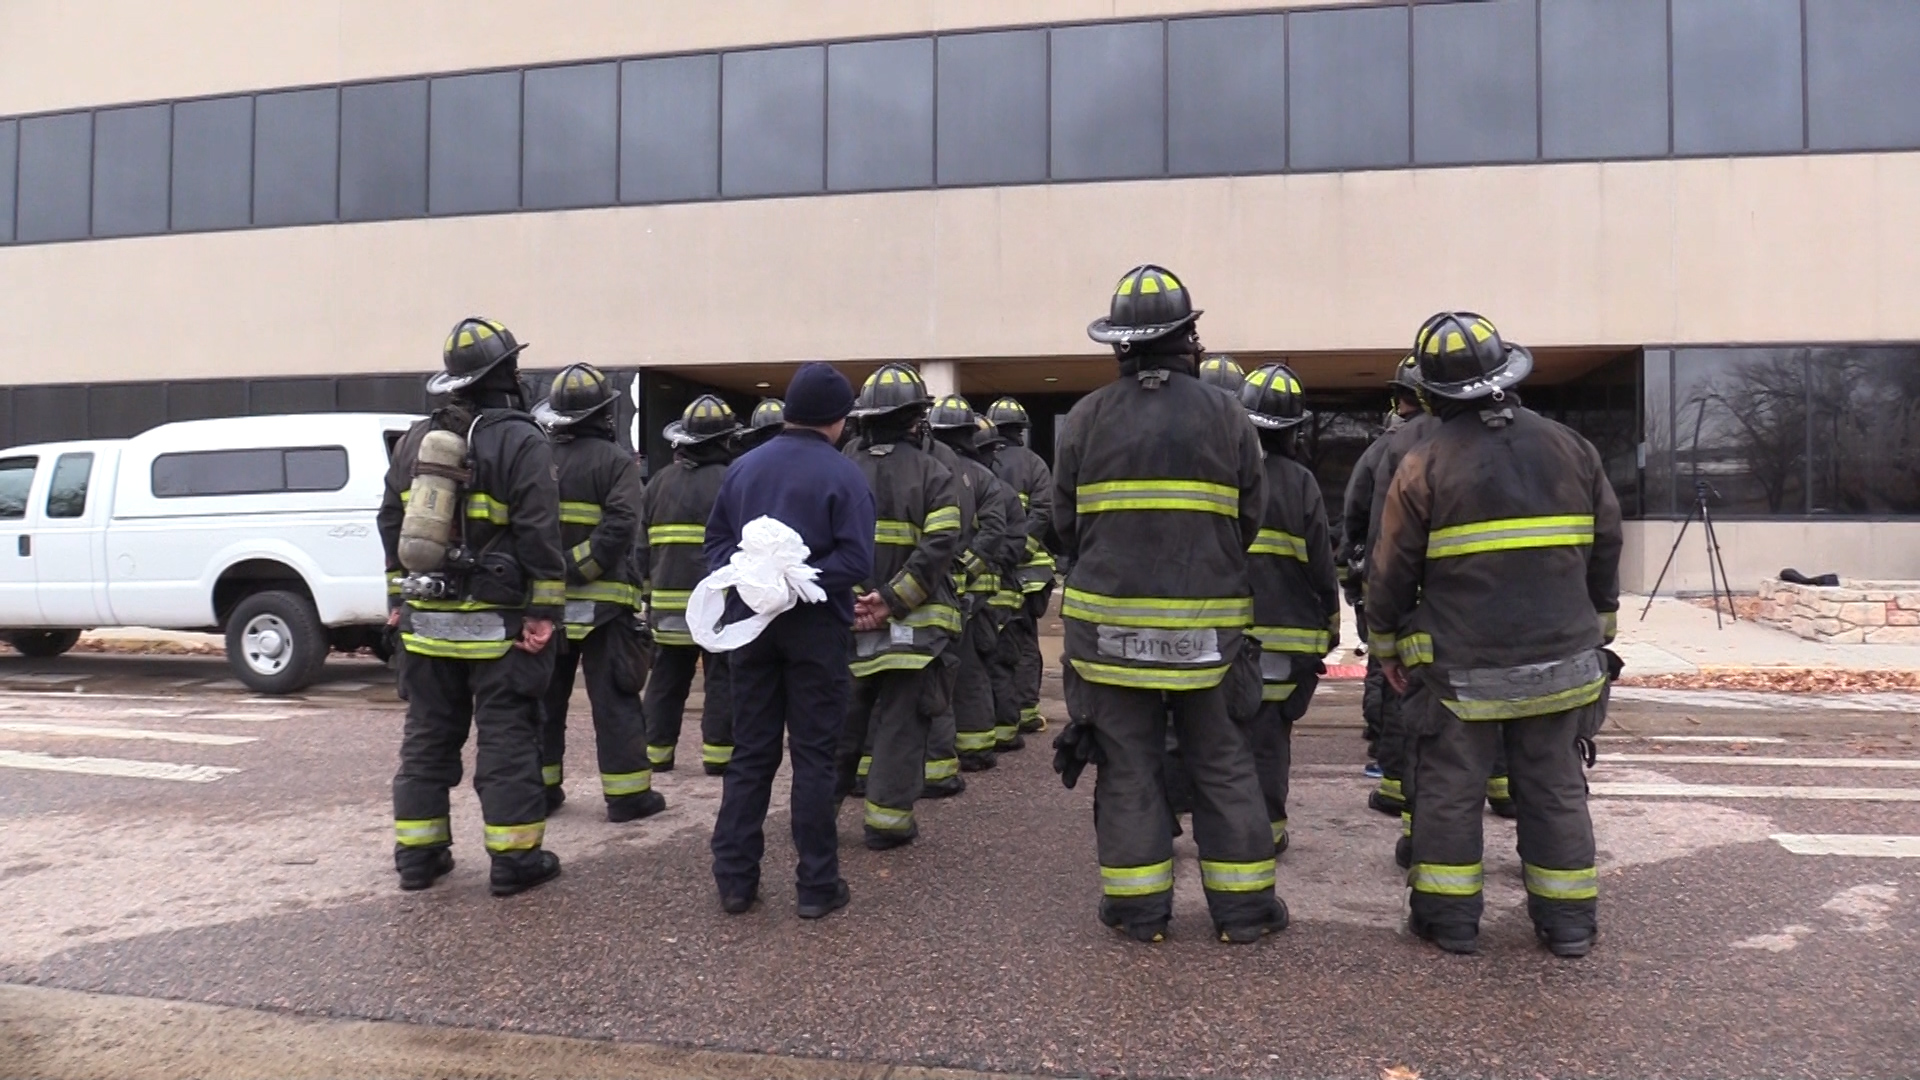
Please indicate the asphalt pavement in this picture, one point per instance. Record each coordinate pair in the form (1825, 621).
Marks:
(169, 836)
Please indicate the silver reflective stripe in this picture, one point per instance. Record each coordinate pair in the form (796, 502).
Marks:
(580, 612)
(1161, 646)
(1528, 681)
(671, 623)
(460, 625)
(871, 642)
(1275, 667)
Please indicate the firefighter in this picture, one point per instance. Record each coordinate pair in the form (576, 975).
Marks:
(983, 569)
(907, 615)
(1016, 666)
(600, 492)
(767, 420)
(1492, 587)
(477, 619)
(674, 514)
(1296, 593)
(1224, 372)
(1158, 492)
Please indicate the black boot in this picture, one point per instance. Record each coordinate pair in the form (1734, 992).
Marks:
(1008, 746)
(1248, 933)
(556, 795)
(943, 789)
(1457, 938)
(887, 841)
(634, 807)
(1567, 942)
(1403, 853)
(1380, 802)
(420, 867)
(1503, 808)
(518, 871)
(1149, 932)
(980, 762)
(842, 896)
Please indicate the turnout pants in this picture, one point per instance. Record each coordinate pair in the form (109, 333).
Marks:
(501, 699)
(619, 731)
(894, 711)
(1133, 823)
(1003, 666)
(1024, 629)
(1452, 760)
(943, 754)
(1371, 693)
(794, 686)
(973, 706)
(666, 703)
(1272, 735)
(1392, 747)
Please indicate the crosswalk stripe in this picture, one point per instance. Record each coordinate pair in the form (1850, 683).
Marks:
(95, 766)
(1757, 739)
(1867, 847)
(90, 731)
(1769, 762)
(1621, 789)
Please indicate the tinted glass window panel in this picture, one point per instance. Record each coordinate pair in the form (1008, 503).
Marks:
(272, 397)
(1604, 78)
(383, 394)
(1347, 88)
(670, 129)
(880, 115)
(319, 469)
(992, 108)
(1866, 431)
(219, 472)
(383, 151)
(1748, 408)
(1863, 78)
(296, 157)
(123, 410)
(1227, 95)
(16, 486)
(210, 399)
(1656, 418)
(49, 413)
(130, 153)
(773, 121)
(1109, 104)
(475, 144)
(212, 164)
(67, 491)
(572, 145)
(1474, 88)
(9, 167)
(56, 166)
(1736, 76)
(6, 417)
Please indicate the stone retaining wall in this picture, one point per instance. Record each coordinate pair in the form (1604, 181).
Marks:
(1856, 613)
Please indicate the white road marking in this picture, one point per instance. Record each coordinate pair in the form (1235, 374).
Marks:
(1618, 789)
(1769, 762)
(1752, 700)
(42, 679)
(1764, 739)
(102, 731)
(248, 718)
(1855, 846)
(1866, 905)
(94, 766)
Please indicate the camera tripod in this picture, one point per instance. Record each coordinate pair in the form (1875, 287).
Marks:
(1716, 566)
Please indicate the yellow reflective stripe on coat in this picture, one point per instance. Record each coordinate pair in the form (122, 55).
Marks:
(887, 819)
(1137, 880)
(1510, 534)
(393, 584)
(1293, 639)
(1521, 708)
(1157, 613)
(1026, 501)
(454, 650)
(1414, 649)
(422, 832)
(938, 616)
(614, 785)
(1609, 625)
(662, 535)
(551, 775)
(1277, 691)
(943, 519)
(899, 661)
(1440, 880)
(712, 754)
(582, 556)
(671, 600)
(1582, 884)
(606, 592)
(896, 533)
(580, 513)
(549, 594)
(1193, 496)
(1146, 678)
(1276, 542)
(1236, 877)
(486, 508)
(1279, 830)
(516, 837)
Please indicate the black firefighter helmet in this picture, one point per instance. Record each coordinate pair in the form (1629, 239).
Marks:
(890, 389)
(706, 419)
(579, 392)
(1007, 412)
(950, 413)
(1221, 371)
(1273, 398)
(1148, 304)
(1463, 358)
(475, 346)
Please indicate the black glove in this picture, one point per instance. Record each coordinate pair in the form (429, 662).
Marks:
(1615, 665)
(1073, 748)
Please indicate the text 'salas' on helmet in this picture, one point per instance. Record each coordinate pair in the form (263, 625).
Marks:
(1462, 357)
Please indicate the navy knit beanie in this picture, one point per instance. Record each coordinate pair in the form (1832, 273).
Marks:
(818, 396)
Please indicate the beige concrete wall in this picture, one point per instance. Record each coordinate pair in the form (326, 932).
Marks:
(56, 54)
(1757, 550)
(1754, 250)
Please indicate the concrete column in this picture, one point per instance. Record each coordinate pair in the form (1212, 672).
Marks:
(942, 377)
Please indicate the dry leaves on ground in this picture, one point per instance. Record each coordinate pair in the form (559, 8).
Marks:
(1399, 1072)
(147, 648)
(1784, 681)
(1750, 608)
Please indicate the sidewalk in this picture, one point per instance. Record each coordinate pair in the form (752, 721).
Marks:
(1679, 638)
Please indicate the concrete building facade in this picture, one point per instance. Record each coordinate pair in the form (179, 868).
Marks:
(1700, 214)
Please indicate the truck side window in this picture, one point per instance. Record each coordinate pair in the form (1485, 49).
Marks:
(249, 472)
(67, 496)
(16, 483)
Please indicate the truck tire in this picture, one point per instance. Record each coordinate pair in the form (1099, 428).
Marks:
(276, 642)
(43, 644)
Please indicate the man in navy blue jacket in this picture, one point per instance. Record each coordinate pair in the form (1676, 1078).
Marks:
(793, 678)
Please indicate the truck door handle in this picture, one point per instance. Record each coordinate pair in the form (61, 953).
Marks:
(26, 546)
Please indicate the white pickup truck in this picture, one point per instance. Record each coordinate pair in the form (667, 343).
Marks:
(261, 528)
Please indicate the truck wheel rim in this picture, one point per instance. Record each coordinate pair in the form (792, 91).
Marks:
(267, 644)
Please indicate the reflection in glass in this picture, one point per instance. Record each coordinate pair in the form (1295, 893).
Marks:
(67, 494)
(1865, 429)
(1656, 433)
(1740, 420)
(16, 483)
